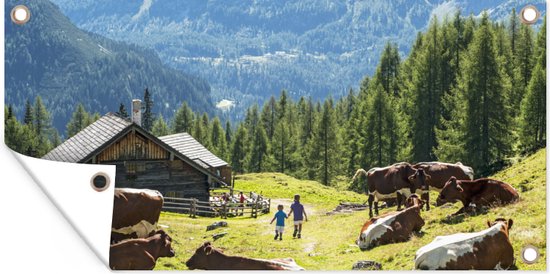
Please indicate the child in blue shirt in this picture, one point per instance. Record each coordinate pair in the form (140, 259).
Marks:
(280, 224)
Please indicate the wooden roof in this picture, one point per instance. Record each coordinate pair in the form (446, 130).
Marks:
(108, 129)
(90, 139)
(188, 146)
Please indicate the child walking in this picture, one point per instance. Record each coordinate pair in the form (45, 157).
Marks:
(280, 224)
(299, 214)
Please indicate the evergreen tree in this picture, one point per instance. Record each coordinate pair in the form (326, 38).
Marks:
(29, 113)
(80, 119)
(217, 139)
(259, 151)
(148, 115)
(183, 119)
(228, 132)
(42, 128)
(239, 150)
(387, 71)
(326, 142)
(269, 117)
(380, 132)
(486, 122)
(122, 111)
(160, 127)
(533, 112)
(524, 63)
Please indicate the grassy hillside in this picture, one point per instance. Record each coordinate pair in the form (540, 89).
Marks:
(328, 241)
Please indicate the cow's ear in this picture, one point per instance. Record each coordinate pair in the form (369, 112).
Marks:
(411, 177)
(510, 223)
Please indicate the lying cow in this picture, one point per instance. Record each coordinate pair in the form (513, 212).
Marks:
(484, 250)
(480, 192)
(140, 254)
(209, 258)
(135, 213)
(441, 172)
(393, 227)
(391, 182)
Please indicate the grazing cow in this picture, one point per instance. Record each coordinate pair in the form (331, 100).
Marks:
(480, 192)
(441, 172)
(393, 227)
(391, 182)
(484, 250)
(140, 254)
(135, 213)
(209, 258)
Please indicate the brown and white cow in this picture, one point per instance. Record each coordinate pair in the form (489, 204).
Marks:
(393, 227)
(480, 192)
(391, 182)
(140, 254)
(135, 213)
(209, 258)
(441, 172)
(421, 178)
(484, 250)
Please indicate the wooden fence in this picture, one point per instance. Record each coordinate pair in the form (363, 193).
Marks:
(194, 207)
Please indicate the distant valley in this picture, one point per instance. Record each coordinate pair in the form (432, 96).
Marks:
(250, 50)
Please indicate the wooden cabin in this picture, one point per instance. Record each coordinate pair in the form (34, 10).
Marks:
(188, 146)
(142, 160)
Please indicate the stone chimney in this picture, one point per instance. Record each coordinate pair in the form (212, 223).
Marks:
(136, 111)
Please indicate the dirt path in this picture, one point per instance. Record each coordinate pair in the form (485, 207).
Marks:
(308, 243)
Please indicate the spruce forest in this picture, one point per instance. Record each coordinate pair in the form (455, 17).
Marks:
(471, 90)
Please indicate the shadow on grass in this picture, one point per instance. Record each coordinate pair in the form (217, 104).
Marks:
(471, 211)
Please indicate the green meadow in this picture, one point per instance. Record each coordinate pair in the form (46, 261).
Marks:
(328, 241)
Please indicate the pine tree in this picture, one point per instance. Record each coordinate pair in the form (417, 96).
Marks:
(217, 139)
(380, 134)
(148, 117)
(487, 132)
(524, 63)
(533, 107)
(533, 112)
(269, 117)
(42, 128)
(228, 132)
(29, 113)
(80, 119)
(122, 111)
(387, 71)
(160, 127)
(183, 119)
(259, 151)
(326, 142)
(238, 150)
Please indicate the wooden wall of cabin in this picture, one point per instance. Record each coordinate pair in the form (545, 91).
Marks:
(225, 172)
(172, 178)
(133, 146)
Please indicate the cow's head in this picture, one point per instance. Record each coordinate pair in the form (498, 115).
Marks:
(507, 224)
(414, 200)
(420, 179)
(200, 260)
(363, 241)
(451, 192)
(165, 244)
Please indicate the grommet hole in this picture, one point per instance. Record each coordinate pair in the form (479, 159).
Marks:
(100, 182)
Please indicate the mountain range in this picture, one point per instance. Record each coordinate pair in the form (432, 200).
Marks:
(249, 50)
(50, 57)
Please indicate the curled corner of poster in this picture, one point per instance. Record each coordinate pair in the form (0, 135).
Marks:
(69, 188)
